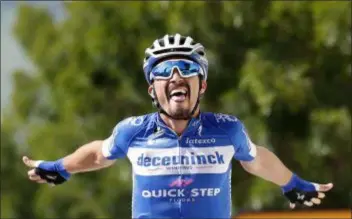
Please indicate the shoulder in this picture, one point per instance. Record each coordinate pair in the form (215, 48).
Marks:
(116, 146)
(130, 126)
(228, 123)
(236, 131)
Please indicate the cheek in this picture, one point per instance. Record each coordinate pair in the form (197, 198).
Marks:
(194, 90)
(195, 93)
(160, 91)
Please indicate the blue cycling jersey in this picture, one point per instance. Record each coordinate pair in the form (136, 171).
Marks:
(187, 176)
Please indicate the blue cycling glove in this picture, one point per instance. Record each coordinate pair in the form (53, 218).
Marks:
(52, 171)
(298, 190)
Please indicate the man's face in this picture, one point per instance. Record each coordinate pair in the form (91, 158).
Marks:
(177, 95)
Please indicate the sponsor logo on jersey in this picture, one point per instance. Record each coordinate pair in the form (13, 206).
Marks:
(175, 160)
(220, 117)
(192, 159)
(181, 195)
(200, 141)
(200, 129)
(134, 120)
(195, 123)
(152, 139)
(181, 182)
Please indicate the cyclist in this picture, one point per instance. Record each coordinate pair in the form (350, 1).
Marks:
(181, 157)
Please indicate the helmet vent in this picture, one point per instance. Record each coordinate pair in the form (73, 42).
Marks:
(182, 40)
(173, 50)
(161, 42)
(172, 39)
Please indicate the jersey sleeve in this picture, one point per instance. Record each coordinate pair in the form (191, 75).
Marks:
(245, 150)
(116, 146)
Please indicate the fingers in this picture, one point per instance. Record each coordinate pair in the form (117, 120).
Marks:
(321, 195)
(292, 206)
(325, 187)
(310, 204)
(41, 181)
(315, 201)
(321, 188)
(30, 163)
(34, 177)
(32, 173)
(37, 179)
(307, 203)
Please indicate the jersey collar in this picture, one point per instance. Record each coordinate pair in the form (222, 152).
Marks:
(193, 126)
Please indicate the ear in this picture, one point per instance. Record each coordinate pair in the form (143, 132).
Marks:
(203, 87)
(151, 91)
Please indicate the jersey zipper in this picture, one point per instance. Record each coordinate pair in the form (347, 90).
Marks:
(179, 169)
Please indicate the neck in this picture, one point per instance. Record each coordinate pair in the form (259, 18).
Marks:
(178, 126)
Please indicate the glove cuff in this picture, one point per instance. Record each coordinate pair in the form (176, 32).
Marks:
(291, 184)
(59, 167)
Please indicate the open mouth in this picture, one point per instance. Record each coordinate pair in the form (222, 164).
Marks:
(178, 95)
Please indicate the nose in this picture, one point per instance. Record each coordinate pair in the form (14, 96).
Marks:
(176, 76)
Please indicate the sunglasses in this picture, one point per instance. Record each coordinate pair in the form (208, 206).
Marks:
(186, 68)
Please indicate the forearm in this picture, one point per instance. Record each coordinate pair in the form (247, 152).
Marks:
(269, 167)
(88, 157)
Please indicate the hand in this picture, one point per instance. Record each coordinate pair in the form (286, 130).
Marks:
(31, 173)
(51, 172)
(299, 191)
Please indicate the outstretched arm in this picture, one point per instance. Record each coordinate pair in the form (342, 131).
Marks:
(92, 156)
(88, 157)
(261, 162)
(269, 167)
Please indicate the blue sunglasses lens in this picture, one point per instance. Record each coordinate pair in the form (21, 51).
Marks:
(187, 68)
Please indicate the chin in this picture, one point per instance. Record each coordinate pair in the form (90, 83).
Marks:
(179, 107)
(180, 112)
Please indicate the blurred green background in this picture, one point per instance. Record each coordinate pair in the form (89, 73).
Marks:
(283, 68)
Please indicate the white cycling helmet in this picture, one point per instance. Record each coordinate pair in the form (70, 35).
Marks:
(174, 45)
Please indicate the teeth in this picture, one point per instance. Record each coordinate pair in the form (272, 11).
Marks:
(178, 91)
